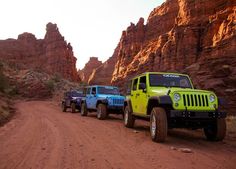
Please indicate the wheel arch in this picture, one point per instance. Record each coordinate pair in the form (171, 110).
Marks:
(83, 101)
(161, 101)
(103, 101)
(128, 103)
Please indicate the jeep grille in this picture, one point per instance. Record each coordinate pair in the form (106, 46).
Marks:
(195, 100)
(118, 101)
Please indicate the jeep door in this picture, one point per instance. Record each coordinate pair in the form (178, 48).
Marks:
(93, 98)
(142, 97)
(88, 94)
(134, 95)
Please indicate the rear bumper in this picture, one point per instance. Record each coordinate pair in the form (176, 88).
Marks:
(197, 115)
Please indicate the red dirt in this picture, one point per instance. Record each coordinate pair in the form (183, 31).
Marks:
(41, 136)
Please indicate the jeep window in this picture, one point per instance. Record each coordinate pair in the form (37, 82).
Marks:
(169, 80)
(88, 90)
(94, 90)
(108, 90)
(135, 82)
(142, 80)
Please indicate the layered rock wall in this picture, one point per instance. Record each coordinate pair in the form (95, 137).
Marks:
(194, 37)
(103, 74)
(52, 54)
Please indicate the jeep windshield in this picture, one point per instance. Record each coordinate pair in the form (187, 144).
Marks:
(169, 80)
(76, 94)
(108, 90)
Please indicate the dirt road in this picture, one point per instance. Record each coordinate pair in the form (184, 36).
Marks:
(41, 136)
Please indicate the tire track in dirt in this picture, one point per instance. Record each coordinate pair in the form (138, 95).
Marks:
(41, 136)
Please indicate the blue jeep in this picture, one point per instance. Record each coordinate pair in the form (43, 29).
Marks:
(103, 99)
(72, 99)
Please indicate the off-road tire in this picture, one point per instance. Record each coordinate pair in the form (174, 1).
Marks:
(216, 131)
(84, 111)
(158, 124)
(129, 119)
(63, 107)
(73, 108)
(101, 111)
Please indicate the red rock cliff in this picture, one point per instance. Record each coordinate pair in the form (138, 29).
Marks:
(103, 74)
(52, 54)
(88, 69)
(195, 37)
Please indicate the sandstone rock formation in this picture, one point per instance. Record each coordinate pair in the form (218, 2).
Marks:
(33, 84)
(196, 37)
(89, 68)
(103, 74)
(52, 54)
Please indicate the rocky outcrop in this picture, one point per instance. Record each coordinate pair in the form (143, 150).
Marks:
(103, 74)
(33, 84)
(89, 68)
(52, 55)
(195, 37)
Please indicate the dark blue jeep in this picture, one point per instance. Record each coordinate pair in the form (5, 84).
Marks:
(72, 99)
(103, 99)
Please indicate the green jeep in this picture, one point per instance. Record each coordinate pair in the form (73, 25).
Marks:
(169, 100)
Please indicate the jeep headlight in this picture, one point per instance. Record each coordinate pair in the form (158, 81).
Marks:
(109, 100)
(177, 97)
(212, 98)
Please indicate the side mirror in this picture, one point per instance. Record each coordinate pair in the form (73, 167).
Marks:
(142, 86)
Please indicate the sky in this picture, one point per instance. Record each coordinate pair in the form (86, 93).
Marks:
(93, 27)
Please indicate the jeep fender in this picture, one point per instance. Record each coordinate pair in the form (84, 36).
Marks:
(128, 103)
(161, 101)
(73, 101)
(221, 101)
(102, 101)
(83, 101)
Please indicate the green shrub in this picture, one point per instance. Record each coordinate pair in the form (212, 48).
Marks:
(57, 77)
(50, 84)
(13, 91)
(3, 79)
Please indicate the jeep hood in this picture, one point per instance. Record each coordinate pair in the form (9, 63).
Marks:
(75, 98)
(187, 90)
(171, 90)
(111, 96)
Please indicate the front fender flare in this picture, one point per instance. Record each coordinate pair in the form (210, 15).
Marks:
(158, 101)
(128, 103)
(103, 101)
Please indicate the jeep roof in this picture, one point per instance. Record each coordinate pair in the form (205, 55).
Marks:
(174, 73)
(101, 86)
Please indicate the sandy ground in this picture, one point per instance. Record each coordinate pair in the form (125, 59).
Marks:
(41, 136)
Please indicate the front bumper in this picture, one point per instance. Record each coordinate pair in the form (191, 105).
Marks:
(197, 114)
(114, 107)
